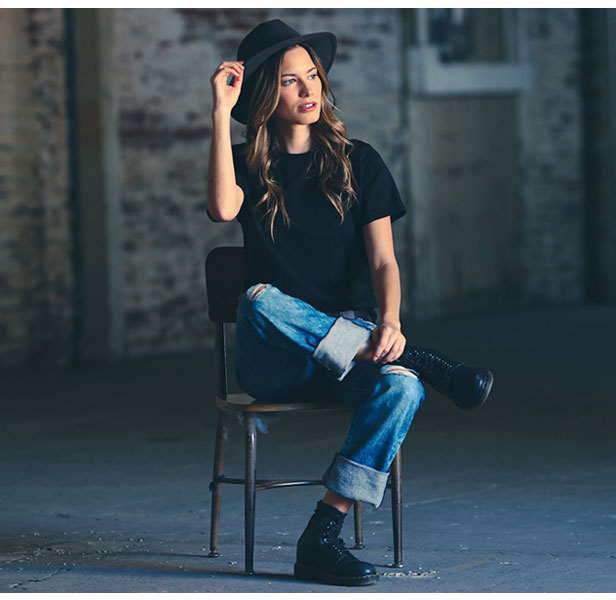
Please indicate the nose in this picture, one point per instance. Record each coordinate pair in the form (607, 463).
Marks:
(304, 89)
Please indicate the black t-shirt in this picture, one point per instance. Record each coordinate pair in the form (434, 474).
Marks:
(316, 258)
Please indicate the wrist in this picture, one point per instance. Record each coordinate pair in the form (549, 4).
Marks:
(395, 323)
(221, 115)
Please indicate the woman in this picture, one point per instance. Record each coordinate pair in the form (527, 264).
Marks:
(316, 212)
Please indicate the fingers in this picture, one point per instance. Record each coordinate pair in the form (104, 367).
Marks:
(235, 68)
(382, 343)
(393, 354)
(234, 64)
(388, 344)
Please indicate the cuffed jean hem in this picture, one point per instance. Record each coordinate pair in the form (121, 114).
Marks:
(355, 481)
(337, 349)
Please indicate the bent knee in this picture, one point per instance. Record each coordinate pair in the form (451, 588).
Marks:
(254, 291)
(254, 301)
(406, 380)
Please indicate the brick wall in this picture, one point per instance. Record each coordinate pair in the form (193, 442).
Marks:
(36, 283)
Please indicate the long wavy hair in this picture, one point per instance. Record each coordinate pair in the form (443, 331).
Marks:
(329, 133)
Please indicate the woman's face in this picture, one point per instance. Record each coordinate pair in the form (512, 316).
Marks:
(300, 89)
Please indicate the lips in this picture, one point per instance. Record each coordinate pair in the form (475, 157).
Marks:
(307, 107)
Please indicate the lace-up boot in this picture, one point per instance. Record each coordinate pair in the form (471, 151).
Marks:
(467, 387)
(322, 556)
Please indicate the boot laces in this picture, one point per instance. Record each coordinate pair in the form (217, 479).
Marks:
(331, 534)
(432, 363)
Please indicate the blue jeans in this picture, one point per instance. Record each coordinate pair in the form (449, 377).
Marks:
(285, 347)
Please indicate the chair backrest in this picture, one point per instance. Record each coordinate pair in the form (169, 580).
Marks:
(224, 280)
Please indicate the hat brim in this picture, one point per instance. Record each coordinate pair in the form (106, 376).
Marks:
(323, 43)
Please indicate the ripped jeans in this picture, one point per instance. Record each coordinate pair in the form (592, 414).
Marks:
(285, 347)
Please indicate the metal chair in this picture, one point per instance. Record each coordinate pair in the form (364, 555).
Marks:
(224, 271)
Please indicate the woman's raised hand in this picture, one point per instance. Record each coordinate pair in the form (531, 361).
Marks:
(225, 96)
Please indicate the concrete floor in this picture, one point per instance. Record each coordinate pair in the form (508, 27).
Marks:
(105, 471)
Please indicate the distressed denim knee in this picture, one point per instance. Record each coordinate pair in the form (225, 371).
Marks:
(250, 305)
(406, 387)
(253, 292)
(248, 298)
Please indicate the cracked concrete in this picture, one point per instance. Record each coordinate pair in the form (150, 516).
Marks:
(105, 472)
(21, 585)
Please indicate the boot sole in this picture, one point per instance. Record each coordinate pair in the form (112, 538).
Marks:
(313, 574)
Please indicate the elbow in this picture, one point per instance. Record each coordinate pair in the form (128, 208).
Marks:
(221, 215)
(386, 265)
(227, 216)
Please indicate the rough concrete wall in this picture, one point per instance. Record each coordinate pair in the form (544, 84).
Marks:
(164, 59)
(463, 158)
(598, 33)
(551, 178)
(497, 184)
(36, 283)
(465, 217)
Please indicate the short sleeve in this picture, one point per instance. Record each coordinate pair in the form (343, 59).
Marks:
(379, 195)
(241, 176)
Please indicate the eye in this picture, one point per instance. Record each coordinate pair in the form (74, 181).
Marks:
(312, 76)
(287, 81)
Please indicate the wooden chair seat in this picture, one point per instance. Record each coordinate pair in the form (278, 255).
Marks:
(242, 403)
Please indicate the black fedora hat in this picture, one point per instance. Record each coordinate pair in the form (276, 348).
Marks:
(264, 41)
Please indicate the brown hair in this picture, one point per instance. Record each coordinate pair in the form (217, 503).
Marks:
(329, 134)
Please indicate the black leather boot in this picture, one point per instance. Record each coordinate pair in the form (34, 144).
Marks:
(467, 387)
(322, 556)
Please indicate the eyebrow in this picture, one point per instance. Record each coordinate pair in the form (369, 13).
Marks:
(293, 74)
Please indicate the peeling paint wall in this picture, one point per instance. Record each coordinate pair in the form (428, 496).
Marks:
(551, 154)
(36, 281)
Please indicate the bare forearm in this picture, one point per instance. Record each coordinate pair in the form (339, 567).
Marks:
(386, 284)
(386, 340)
(222, 195)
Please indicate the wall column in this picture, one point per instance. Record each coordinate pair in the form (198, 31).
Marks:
(96, 169)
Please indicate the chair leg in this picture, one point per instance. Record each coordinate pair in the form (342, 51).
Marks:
(396, 507)
(250, 492)
(359, 525)
(219, 461)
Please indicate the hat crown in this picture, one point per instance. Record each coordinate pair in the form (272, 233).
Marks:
(263, 36)
(263, 42)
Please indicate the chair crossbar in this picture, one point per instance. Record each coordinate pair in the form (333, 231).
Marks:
(267, 484)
